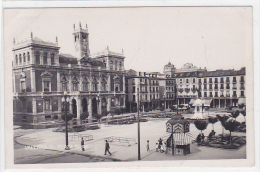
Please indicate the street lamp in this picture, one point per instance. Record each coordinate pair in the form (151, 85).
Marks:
(164, 97)
(65, 101)
(202, 108)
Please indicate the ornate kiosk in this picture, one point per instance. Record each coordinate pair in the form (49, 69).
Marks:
(180, 138)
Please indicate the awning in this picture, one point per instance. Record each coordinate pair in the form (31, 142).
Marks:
(182, 138)
(199, 102)
(242, 101)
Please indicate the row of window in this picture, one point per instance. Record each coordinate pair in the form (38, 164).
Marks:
(216, 86)
(242, 79)
(114, 65)
(45, 58)
(22, 58)
(242, 94)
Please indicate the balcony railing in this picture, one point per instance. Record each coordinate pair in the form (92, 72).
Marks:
(235, 96)
(242, 88)
(242, 81)
(234, 88)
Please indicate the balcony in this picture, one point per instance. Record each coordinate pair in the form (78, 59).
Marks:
(211, 89)
(234, 82)
(222, 82)
(210, 83)
(204, 89)
(234, 88)
(242, 81)
(227, 95)
(215, 89)
(227, 82)
(216, 82)
(234, 96)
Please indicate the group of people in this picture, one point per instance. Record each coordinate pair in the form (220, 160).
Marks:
(159, 147)
(201, 138)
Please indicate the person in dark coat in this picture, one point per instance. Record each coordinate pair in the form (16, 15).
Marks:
(107, 147)
(198, 139)
(160, 144)
(82, 144)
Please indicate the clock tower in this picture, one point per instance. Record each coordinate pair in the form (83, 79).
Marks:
(81, 44)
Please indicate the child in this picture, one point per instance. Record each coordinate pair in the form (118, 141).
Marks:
(156, 147)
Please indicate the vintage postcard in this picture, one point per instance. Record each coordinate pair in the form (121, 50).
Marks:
(129, 87)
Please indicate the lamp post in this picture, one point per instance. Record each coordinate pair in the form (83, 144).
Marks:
(138, 124)
(164, 97)
(65, 102)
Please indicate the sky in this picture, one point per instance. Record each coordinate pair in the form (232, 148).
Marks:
(211, 37)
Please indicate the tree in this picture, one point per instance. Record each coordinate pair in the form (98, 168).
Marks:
(235, 114)
(83, 116)
(244, 114)
(201, 124)
(69, 116)
(231, 124)
(222, 120)
(212, 120)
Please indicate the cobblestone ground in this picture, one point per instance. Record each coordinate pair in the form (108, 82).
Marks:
(151, 130)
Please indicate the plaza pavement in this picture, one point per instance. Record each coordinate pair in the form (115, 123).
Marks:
(151, 130)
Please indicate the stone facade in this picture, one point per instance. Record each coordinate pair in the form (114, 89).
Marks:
(41, 75)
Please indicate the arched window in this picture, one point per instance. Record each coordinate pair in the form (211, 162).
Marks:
(16, 59)
(111, 65)
(28, 57)
(24, 57)
(104, 62)
(120, 65)
(115, 65)
(52, 59)
(64, 84)
(45, 60)
(37, 58)
(20, 58)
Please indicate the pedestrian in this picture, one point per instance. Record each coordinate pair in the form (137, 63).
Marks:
(147, 146)
(156, 147)
(162, 148)
(160, 144)
(107, 147)
(198, 139)
(82, 144)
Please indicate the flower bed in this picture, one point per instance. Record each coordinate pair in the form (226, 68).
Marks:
(221, 141)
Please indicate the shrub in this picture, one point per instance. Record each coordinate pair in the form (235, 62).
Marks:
(201, 124)
(231, 124)
(235, 114)
(212, 120)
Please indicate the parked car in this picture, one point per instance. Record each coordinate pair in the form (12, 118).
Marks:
(78, 128)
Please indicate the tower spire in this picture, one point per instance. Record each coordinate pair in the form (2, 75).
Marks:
(80, 25)
(56, 39)
(74, 26)
(14, 41)
(31, 35)
(107, 47)
(86, 25)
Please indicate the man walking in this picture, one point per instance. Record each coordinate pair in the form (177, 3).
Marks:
(107, 148)
(147, 146)
(82, 144)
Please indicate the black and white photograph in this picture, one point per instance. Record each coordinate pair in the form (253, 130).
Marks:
(115, 85)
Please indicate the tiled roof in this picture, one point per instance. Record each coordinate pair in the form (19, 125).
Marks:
(68, 59)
